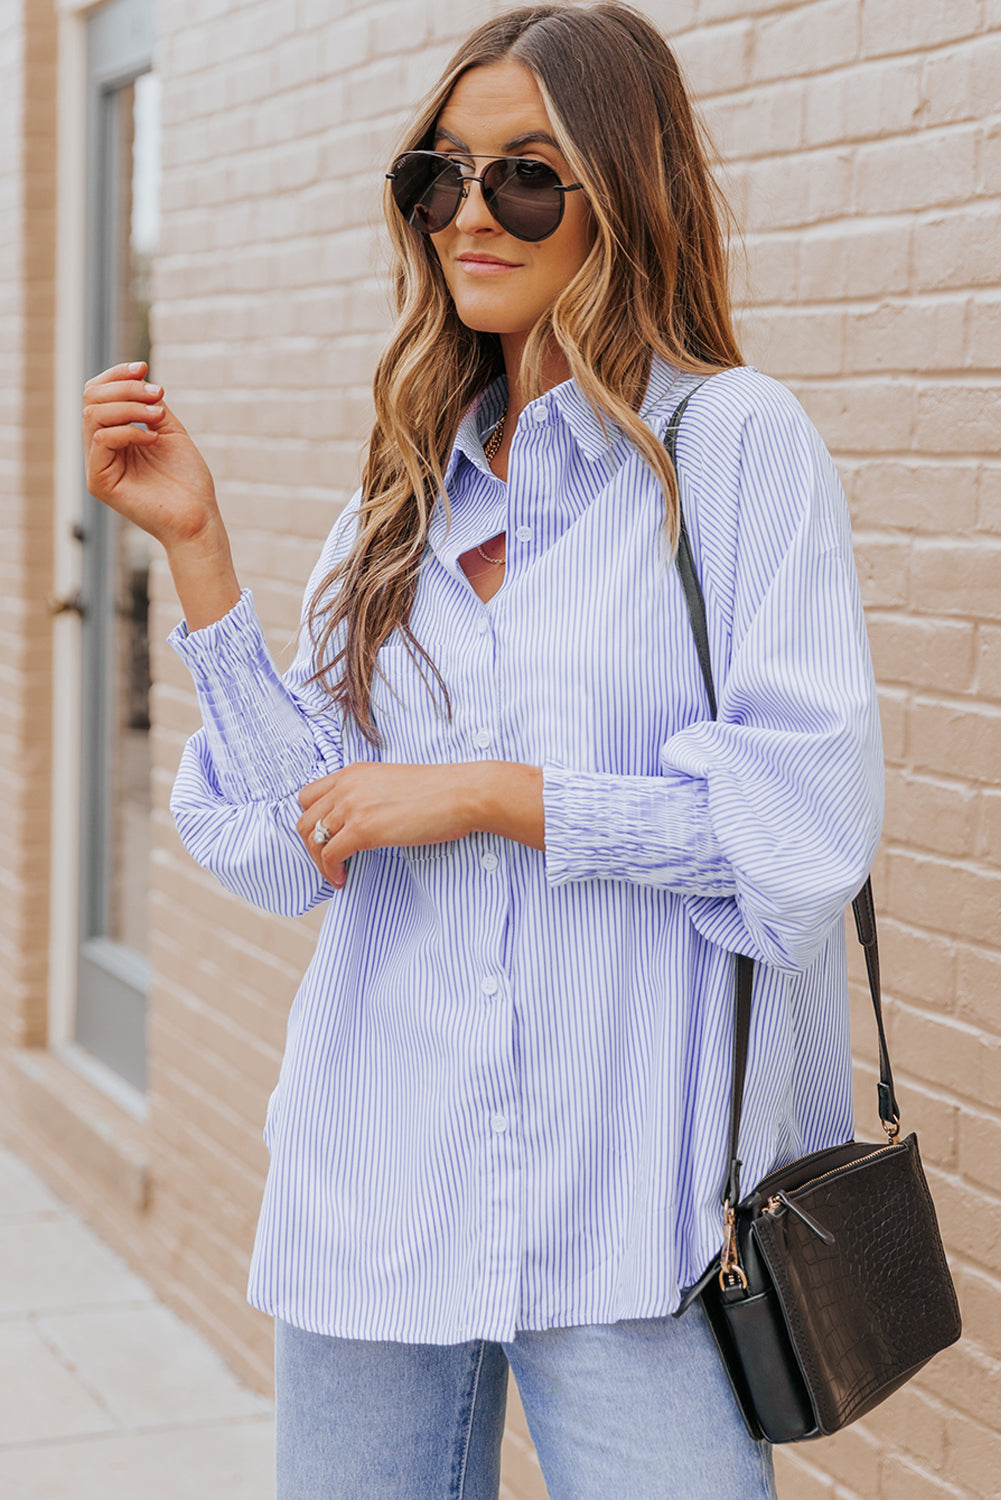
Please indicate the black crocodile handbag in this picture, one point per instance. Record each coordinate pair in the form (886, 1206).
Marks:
(831, 1288)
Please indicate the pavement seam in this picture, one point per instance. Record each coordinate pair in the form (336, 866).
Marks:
(71, 1440)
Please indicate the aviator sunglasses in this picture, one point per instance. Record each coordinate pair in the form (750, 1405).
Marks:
(525, 196)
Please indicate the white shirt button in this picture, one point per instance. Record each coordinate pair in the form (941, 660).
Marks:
(524, 533)
(489, 860)
(489, 985)
(540, 414)
(498, 1124)
(482, 738)
(482, 625)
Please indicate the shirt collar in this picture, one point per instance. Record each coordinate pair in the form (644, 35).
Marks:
(594, 436)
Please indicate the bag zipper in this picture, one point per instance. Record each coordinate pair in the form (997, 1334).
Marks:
(780, 1200)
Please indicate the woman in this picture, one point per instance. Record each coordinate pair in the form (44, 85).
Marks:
(499, 1132)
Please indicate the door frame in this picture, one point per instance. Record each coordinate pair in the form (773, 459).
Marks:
(130, 51)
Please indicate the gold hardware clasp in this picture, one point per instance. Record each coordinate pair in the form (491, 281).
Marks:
(892, 1128)
(731, 1272)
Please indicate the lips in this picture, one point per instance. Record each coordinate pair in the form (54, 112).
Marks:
(485, 260)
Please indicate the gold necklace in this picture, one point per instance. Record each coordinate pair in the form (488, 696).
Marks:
(487, 558)
(494, 441)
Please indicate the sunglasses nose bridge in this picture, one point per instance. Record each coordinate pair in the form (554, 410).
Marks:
(467, 200)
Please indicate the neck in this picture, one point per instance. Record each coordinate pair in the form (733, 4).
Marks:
(554, 371)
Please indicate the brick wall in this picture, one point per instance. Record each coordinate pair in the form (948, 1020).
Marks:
(27, 246)
(862, 143)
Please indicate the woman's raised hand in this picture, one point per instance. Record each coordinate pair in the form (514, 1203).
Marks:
(156, 478)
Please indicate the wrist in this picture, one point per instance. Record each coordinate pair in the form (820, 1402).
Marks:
(505, 797)
(209, 546)
(204, 576)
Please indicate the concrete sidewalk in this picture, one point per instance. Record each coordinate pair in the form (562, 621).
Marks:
(104, 1393)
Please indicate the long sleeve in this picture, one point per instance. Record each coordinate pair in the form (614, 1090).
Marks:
(264, 737)
(767, 818)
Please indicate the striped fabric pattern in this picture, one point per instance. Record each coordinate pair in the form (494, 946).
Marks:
(502, 1100)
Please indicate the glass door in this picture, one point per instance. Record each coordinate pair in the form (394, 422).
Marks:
(113, 967)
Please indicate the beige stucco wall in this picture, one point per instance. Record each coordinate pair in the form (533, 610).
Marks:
(862, 147)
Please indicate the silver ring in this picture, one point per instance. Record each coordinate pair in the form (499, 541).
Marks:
(321, 833)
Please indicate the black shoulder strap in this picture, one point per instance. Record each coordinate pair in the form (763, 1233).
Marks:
(863, 905)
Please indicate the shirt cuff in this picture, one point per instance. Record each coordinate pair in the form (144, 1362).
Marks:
(653, 830)
(260, 746)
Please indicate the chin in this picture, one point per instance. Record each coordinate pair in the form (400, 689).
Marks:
(483, 318)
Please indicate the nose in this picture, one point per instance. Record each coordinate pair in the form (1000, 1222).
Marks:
(473, 215)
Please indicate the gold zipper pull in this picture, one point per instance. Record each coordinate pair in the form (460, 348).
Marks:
(780, 1201)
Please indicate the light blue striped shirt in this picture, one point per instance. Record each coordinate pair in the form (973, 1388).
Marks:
(503, 1100)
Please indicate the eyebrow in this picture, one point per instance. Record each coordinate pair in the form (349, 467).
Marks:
(530, 138)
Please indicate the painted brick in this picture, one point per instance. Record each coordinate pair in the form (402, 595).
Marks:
(883, 564)
(989, 507)
(906, 336)
(717, 60)
(808, 39)
(923, 171)
(961, 82)
(983, 331)
(918, 965)
(926, 496)
(798, 190)
(939, 817)
(888, 28)
(958, 248)
(893, 721)
(794, 342)
(980, 1161)
(988, 840)
(988, 669)
(874, 415)
(978, 976)
(979, 1296)
(966, 905)
(957, 577)
(917, 1423)
(759, 122)
(877, 99)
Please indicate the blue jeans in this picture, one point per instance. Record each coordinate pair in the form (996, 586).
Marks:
(639, 1409)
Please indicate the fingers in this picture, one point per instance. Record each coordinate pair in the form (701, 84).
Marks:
(315, 790)
(328, 855)
(113, 439)
(136, 370)
(119, 413)
(95, 393)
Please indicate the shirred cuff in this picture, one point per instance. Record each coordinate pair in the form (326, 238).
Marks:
(260, 745)
(652, 830)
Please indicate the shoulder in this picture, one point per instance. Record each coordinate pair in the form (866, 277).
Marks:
(739, 406)
(745, 436)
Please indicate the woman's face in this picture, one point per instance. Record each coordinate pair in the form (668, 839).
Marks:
(501, 284)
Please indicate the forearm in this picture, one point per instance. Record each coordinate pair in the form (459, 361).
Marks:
(204, 577)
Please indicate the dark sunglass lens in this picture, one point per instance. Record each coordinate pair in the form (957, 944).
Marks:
(524, 196)
(427, 189)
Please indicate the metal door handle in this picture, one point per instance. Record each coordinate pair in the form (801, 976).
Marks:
(67, 604)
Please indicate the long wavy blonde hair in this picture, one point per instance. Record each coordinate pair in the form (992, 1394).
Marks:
(656, 279)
